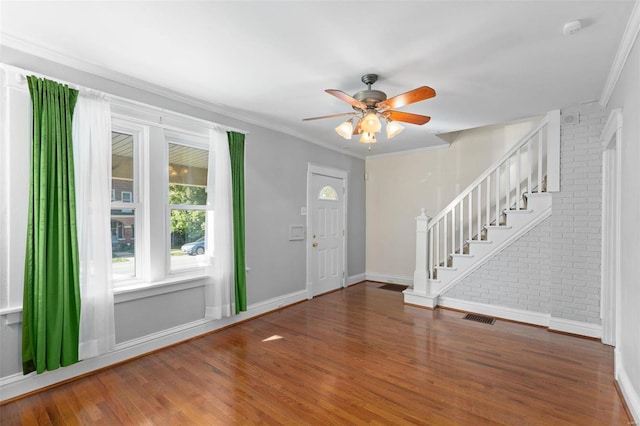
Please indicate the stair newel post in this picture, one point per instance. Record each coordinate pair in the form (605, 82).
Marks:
(420, 276)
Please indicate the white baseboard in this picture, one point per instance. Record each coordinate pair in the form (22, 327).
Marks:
(528, 317)
(419, 299)
(575, 327)
(19, 384)
(631, 396)
(355, 279)
(520, 315)
(392, 279)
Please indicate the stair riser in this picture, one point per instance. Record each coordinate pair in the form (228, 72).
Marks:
(517, 220)
(463, 262)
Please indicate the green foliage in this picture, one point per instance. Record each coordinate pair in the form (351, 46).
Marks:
(187, 225)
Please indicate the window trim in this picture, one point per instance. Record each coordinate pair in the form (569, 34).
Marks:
(157, 128)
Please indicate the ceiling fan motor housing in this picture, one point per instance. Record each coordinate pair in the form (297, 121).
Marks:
(370, 97)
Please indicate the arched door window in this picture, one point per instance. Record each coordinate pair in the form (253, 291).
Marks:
(328, 193)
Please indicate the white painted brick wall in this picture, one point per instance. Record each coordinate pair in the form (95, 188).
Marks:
(555, 267)
(518, 277)
(576, 220)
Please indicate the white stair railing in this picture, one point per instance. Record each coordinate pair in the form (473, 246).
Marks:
(532, 165)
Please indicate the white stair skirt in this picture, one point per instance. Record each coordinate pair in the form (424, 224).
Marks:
(498, 238)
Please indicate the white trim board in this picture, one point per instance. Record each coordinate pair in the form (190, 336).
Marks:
(630, 395)
(19, 384)
(624, 49)
(355, 279)
(520, 315)
(575, 327)
(391, 279)
(578, 328)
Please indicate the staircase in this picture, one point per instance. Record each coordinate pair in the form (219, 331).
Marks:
(502, 204)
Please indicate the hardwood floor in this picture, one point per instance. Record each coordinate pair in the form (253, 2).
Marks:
(355, 356)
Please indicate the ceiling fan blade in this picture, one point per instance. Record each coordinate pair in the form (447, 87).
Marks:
(357, 129)
(407, 117)
(412, 96)
(347, 98)
(342, 114)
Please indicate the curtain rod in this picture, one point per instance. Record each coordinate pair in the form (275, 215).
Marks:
(122, 101)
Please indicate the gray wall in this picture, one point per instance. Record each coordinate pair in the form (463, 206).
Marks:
(276, 189)
(276, 175)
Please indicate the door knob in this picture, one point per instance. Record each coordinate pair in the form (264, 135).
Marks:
(315, 244)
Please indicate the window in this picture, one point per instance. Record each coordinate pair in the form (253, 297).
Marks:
(328, 193)
(188, 172)
(123, 208)
(158, 217)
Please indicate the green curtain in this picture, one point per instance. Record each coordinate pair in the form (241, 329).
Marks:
(51, 302)
(236, 152)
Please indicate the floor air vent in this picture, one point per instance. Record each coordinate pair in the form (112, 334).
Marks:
(480, 318)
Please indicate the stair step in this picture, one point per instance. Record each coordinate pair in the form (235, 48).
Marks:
(462, 255)
(446, 268)
(479, 241)
(536, 194)
(521, 211)
(502, 227)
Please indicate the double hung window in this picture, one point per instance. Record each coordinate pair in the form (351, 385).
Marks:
(158, 201)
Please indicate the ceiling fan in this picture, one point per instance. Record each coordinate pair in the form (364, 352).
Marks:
(371, 105)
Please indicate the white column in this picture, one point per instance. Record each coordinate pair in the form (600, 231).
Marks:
(420, 276)
(553, 151)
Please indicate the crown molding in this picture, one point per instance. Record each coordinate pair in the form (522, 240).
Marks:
(36, 50)
(624, 49)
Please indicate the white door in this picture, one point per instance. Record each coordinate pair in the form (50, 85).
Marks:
(327, 233)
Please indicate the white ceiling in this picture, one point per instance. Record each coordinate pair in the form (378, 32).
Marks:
(269, 62)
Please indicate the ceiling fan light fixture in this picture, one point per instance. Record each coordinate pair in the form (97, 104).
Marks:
(345, 129)
(368, 137)
(371, 123)
(393, 129)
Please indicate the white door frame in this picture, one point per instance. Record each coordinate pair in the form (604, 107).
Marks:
(338, 174)
(611, 139)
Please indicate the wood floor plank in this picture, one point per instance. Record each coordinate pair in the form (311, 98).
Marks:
(355, 356)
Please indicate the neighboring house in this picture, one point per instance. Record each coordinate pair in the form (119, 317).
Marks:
(567, 274)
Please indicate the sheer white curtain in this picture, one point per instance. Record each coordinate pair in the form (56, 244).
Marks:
(220, 213)
(92, 159)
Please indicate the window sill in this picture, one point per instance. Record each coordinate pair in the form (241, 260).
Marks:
(11, 315)
(142, 290)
